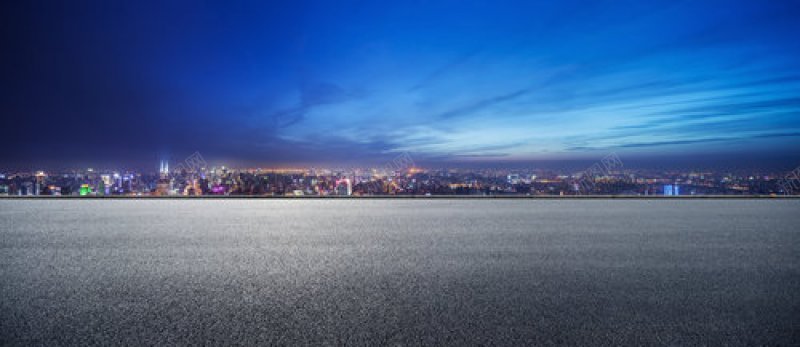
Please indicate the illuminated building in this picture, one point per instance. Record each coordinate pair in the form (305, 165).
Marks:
(343, 187)
(85, 190)
(218, 190)
(671, 190)
(193, 189)
(40, 178)
(163, 186)
(127, 179)
(54, 190)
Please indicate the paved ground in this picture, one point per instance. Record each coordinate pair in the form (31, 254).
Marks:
(377, 272)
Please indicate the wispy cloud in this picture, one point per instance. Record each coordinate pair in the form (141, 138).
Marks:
(310, 97)
(443, 70)
(483, 104)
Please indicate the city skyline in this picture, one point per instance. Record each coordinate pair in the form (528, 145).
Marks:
(401, 176)
(455, 84)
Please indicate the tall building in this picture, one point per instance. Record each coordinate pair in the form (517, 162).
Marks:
(26, 188)
(671, 190)
(164, 184)
(344, 187)
(163, 169)
(40, 183)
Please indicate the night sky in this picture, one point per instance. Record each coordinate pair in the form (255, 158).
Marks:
(311, 83)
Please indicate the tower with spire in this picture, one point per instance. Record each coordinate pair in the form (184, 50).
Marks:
(163, 169)
(164, 184)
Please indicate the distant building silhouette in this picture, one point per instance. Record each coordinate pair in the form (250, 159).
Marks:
(671, 190)
(164, 184)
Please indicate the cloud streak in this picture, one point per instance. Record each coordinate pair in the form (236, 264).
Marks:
(483, 104)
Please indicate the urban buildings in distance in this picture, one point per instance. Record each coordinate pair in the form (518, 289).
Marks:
(222, 180)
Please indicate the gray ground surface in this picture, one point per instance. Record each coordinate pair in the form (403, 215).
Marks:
(429, 272)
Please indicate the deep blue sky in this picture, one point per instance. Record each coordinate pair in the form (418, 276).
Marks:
(277, 83)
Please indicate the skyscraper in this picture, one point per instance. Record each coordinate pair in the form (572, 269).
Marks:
(163, 186)
(344, 187)
(40, 182)
(672, 190)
